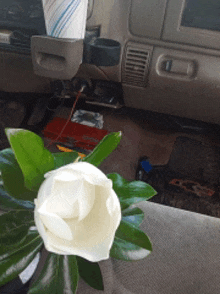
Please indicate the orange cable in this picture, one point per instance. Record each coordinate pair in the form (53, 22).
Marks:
(69, 118)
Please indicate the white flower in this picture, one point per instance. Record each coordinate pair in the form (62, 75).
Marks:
(77, 212)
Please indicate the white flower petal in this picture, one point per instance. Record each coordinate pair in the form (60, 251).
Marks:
(113, 203)
(92, 253)
(97, 227)
(86, 200)
(64, 196)
(98, 181)
(78, 212)
(86, 168)
(38, 222)
(92, 238)
(66, 175)
(55, 224)
(44, 191)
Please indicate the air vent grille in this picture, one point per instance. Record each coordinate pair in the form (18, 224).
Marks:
(136, 63)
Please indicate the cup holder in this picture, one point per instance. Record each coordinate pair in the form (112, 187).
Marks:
(102, 52)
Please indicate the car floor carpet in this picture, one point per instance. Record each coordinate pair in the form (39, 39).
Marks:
(174, 155)
(165, 147)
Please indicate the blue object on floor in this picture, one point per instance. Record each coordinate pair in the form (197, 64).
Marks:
(145, 164)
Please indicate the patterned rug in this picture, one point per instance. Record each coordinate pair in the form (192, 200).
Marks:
(191, 179)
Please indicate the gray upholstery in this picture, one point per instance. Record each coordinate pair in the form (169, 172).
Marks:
(185, 257)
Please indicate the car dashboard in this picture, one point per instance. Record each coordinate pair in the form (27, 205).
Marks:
(169, 60)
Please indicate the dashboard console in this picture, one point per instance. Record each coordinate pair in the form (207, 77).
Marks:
(169, 60)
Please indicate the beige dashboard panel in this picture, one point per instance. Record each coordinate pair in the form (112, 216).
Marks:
(146, 18)
(195, 95)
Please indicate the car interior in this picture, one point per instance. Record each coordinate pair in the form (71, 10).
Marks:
(151, 68)
(167, 61)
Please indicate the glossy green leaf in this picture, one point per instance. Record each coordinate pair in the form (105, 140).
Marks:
(90, 272)
(130, 192)
(8, 202)
(134, 216)
(16, 260)
(12, 176)
(129, 232)
(12, 219)
(33, 159)
(106, 146)
(63, 158)
(131, 243)
(58, 276)
(15, 239)
(11, 251)
(14, 226)
(127, 251)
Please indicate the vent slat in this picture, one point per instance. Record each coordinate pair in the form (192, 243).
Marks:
(137, 56)
(136, 64)
(135, 67)
(137, 51)
(132, 61)
(141, 57)
(137, 61)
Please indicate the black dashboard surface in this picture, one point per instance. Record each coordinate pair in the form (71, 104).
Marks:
(23, 18)
(22, 13)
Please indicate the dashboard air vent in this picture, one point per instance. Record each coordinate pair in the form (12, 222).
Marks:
(136, 63)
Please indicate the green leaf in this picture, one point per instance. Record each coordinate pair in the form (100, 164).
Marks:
(134, 235)
(63, 158)
(15, 239)
(12, 176)
(33, 159)
(127, 251)
(12, 219)
(14, 226)
(130, 243)
(106, 146)
(8, 202)
(58, 276)
(134, 216)
(130, 192)
(15, 261)
(90, 272)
